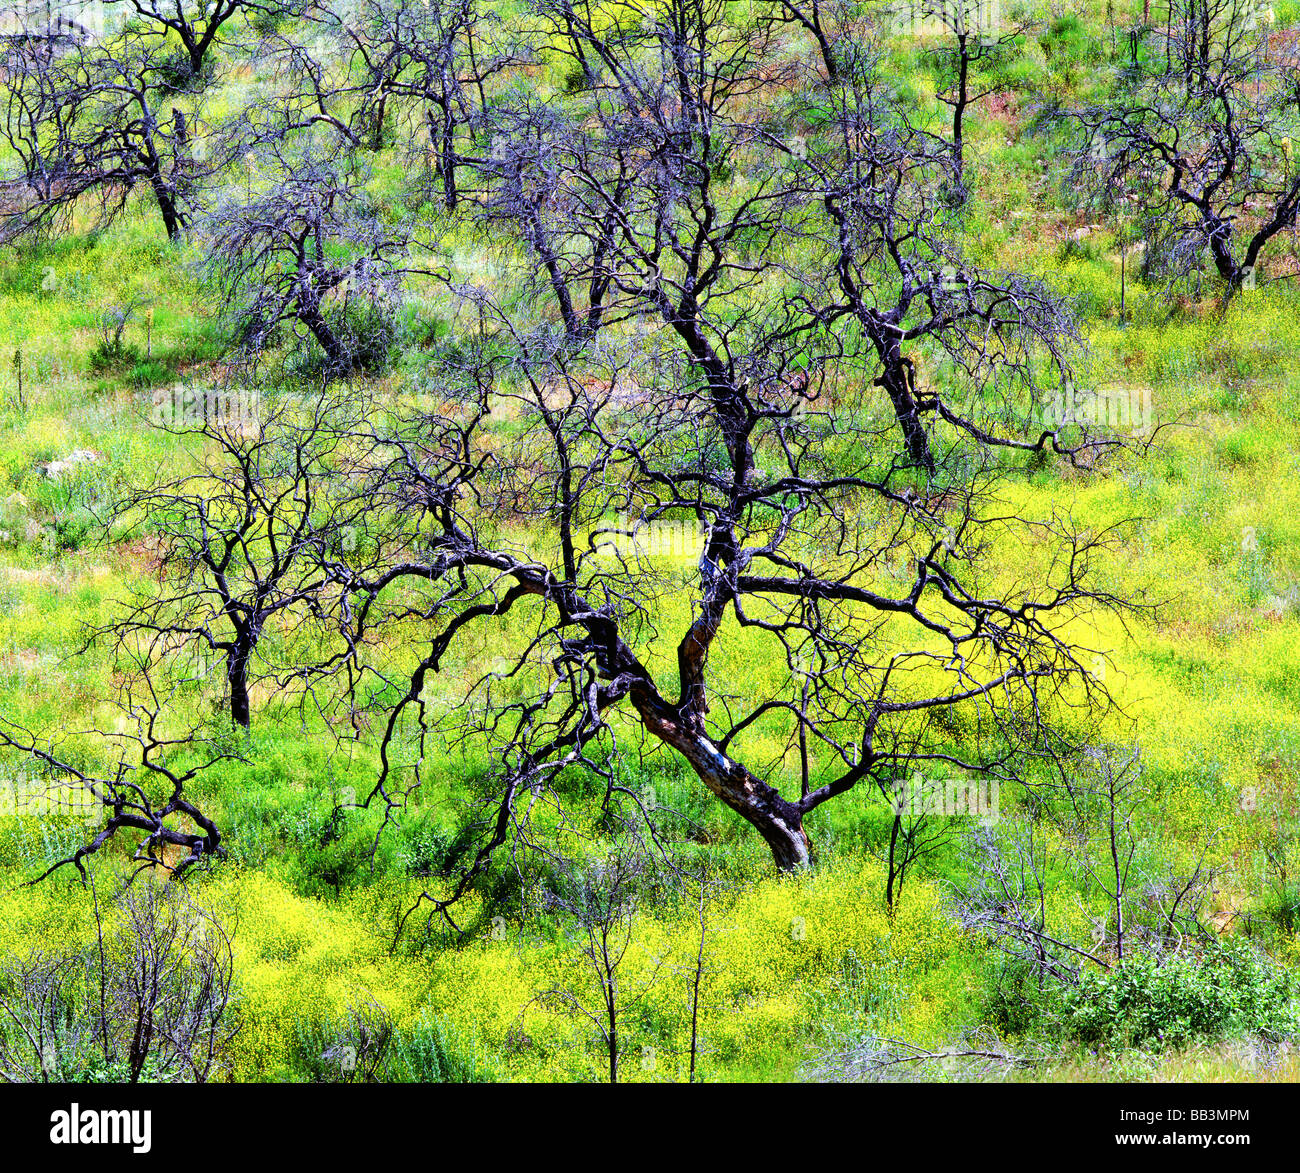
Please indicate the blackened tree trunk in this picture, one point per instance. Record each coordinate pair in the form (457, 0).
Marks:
(895, 874)
(166, 205)
(309, 314)
(959, 101)
(898, 383)
(611, 1012)
(777, 820)
(237, 675)
(442, 140)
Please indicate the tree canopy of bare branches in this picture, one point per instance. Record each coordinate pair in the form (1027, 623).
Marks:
(1198, 135)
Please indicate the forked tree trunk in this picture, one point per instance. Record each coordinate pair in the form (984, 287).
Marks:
(777, 820)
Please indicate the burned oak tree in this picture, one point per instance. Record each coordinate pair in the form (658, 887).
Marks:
(98, 119)
(428, 70)
(241, 538)
(301, 249)
(897, 279)
(196, 25)
(1199, 133)
(564, 549)
(671, 370)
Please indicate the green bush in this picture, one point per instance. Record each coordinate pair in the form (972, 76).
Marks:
(1229, 990)
(113, 355)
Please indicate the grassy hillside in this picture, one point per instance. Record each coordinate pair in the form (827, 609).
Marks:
(791, 975)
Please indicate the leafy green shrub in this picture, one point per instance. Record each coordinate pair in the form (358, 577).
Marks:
(76, 528)
(111, 352)
(113, 355)
(1066, 39)
(425, 851)
(1229, 990)
(1012, 1001)
(150, 374)
(367, 331)
(267, 21)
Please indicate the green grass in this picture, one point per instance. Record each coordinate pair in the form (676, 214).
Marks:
(1210, 687)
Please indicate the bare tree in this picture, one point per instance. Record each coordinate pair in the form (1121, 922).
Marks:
(361, 1050)
(896, 272)
(914, 836)
(1005, 900)
(242, 538)
(658, 191)
(602, 898)
(1176, 901)
(302, 248)
(975, 1056)
(1105, 796)
(173, 988)
(825, 20)
(777, 551)
(653, 429)
(1199, 134)
(151, 1000)
(98, 119)
(429, 67)
(196, 25)
(703, 965)
(973, 44)
(691, 460)
(41, 1036)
